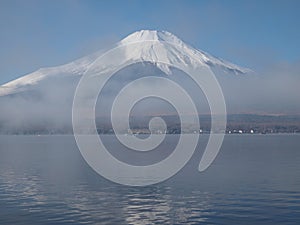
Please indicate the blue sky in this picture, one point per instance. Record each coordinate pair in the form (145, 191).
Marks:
(35, 34)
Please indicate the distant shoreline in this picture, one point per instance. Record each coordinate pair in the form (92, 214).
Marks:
(236, 124)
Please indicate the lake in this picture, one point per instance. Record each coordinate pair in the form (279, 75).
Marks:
(255, 179)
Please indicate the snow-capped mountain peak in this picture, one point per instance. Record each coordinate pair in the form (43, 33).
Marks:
(147, 43)
(151, 35)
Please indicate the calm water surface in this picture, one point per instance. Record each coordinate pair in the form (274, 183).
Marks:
(254, 180)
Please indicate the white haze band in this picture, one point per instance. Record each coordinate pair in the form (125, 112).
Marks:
(95, 152)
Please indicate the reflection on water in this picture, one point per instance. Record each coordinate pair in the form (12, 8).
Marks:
(27, 198)
(44, 180)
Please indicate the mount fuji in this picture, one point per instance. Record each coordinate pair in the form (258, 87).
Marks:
(144, 52)
(44, 98)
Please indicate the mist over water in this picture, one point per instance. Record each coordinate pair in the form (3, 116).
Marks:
(49, 104)
(273, 90)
